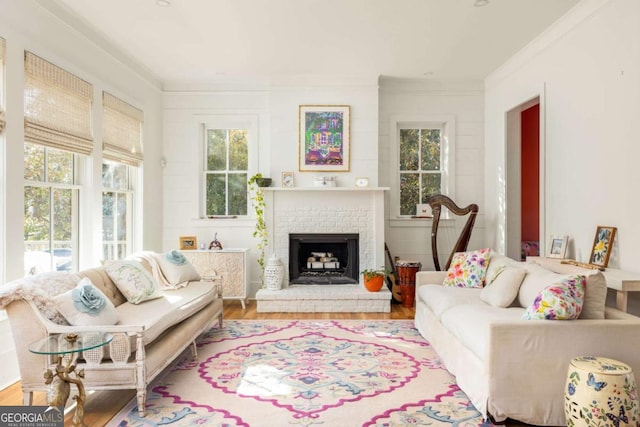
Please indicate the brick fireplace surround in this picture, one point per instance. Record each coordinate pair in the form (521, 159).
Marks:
(326, 210)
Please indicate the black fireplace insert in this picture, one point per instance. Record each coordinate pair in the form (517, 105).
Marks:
(323, 258)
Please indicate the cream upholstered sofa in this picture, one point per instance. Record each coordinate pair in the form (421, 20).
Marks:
(511, 367)
(147, 338)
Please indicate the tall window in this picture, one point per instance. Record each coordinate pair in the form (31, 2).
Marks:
(57, 111)
(226, 171)
(122, 149)
(117, 212)
(424, 163)
(50, 209)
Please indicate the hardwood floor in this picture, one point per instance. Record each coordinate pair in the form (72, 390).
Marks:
(101, 406)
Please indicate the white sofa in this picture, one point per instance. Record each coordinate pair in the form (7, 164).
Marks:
(515, 368)
(147, 338)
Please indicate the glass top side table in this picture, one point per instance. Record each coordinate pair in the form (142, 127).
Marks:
(60, 381)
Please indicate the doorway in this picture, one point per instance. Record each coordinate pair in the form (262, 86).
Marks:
(524, 228)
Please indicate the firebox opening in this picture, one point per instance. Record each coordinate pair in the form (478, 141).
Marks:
(323, 259)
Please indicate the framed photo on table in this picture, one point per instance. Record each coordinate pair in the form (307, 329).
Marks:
(188, 242)
(602, 246)
(558, 246)
(323, 142)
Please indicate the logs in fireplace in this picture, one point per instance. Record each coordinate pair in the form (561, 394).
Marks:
(323, 258)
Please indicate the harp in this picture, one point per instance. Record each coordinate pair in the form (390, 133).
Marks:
(436, 202)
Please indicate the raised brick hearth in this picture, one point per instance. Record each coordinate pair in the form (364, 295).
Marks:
(324, 299)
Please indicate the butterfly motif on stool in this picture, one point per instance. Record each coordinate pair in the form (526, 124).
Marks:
(597, 385)
(616, 419)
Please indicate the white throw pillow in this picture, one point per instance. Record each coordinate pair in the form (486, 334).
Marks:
(86, 305)
(502, 285)
(176, 268)
(135, 283)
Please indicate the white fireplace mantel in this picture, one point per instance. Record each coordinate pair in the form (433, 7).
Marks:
(327, 210)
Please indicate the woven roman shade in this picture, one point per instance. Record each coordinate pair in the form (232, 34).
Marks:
(57, 107)
(122, 131)
(3, 47)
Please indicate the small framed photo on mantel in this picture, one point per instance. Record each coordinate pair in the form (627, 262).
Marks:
(287, 180)
(558, 247)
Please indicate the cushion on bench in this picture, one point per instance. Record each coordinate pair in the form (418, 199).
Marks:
(174, 306)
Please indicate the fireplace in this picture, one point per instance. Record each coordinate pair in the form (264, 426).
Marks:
(323, 258)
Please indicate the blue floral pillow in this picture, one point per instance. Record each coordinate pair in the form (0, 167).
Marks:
(561, 301)
(86, 305)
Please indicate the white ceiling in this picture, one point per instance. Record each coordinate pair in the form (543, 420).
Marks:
(208, 40)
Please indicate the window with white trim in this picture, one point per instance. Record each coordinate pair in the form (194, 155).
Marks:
(122, 151)
(117, 209)
(226, 171)
(50, 209)
(57, 112)
(424, 162)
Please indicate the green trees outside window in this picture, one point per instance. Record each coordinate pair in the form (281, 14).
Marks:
(420, 167)
(50, 209)
(227, 161)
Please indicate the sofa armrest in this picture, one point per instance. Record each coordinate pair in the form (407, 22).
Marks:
(430, 277)
(531, 358)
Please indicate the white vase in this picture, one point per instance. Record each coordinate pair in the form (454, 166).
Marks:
(273, 273)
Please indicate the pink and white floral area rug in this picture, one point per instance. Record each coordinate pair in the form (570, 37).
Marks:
(329, 373)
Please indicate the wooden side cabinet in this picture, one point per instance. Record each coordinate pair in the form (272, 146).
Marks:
(227, 266)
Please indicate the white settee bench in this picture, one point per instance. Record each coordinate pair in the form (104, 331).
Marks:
(515, 368)
(148, 337)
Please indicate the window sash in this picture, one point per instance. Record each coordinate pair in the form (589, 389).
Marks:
(57, 107)
(117, 247)
(447, 125)
(122, 131)
(420, 171)
(225, 172)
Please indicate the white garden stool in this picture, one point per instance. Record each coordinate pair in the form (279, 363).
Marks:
(600, 392)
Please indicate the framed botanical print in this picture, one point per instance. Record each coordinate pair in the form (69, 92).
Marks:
(602, 246)
(324, 141)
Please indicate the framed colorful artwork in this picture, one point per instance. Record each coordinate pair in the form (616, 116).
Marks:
(324, 138)
(602, 246)
(558, 246)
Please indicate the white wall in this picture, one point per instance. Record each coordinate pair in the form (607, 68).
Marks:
(274, 105)
(587, 70)
(26, 26)
(414, 99)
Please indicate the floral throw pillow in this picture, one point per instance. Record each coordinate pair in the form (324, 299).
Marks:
(86, 305)
(468, 269)
(135, 283)
(561, 301)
